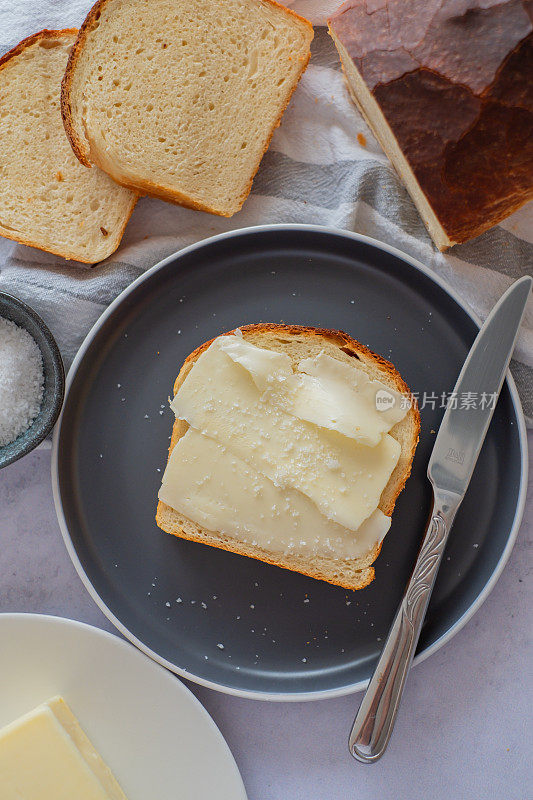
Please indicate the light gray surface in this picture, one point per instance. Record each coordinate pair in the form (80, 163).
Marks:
(464, 731)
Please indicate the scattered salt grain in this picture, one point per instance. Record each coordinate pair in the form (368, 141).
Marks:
(21, 380)
(167, 604)
(220, 646)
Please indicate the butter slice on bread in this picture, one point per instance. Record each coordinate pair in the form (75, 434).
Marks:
(179, 98)
(47, 199)
(301, 343)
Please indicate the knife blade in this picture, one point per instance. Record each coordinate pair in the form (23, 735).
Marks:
(463, 428)
(457, 446)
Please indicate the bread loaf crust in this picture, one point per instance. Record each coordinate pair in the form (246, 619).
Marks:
(339, 572)
(453, 82)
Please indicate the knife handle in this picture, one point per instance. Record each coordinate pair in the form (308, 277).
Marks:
(375, 719)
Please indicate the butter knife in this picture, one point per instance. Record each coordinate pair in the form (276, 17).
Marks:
(456, 450)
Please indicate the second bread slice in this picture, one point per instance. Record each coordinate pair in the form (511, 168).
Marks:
(179, 98)
(47, 199)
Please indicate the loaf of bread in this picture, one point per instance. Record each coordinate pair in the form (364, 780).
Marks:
(301, 343)
(47, 198)
(447, 88)
(179, 98)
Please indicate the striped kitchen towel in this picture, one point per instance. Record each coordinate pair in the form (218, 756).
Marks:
(317, 170)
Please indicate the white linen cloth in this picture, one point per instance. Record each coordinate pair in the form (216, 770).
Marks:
(315, 171)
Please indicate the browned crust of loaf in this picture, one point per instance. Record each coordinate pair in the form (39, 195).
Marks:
(7, 57)
(477, 103)
(444, 242)
(448, 239)
(340, 339)
(145, 186)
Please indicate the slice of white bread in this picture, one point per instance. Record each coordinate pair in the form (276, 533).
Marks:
(180, 98)
(47, 199)
(302, 342)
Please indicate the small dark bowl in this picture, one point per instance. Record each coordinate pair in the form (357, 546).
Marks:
(54, 379)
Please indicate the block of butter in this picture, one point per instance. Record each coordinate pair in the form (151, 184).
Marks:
(45, 755)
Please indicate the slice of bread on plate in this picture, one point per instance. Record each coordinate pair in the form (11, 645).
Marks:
(302, 346)
(179, 98)
(47, 198)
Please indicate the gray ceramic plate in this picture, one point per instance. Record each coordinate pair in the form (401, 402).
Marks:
(227, 621)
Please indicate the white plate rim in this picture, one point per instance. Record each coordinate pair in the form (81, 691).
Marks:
(323, 693)
(134, 652)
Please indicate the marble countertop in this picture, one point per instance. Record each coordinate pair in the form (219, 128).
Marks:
(465, 728)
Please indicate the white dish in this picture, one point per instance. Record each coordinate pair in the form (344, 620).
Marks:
(156, 737)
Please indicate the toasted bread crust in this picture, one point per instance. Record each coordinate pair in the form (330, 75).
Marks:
(145, 186)
(366, 575)
(352, 347)
(66, 83)
(47, 33)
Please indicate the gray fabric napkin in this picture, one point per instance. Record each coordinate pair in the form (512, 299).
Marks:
(316, 171)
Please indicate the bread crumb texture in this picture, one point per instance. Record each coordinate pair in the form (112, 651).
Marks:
(179, 98)
(47, 198)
